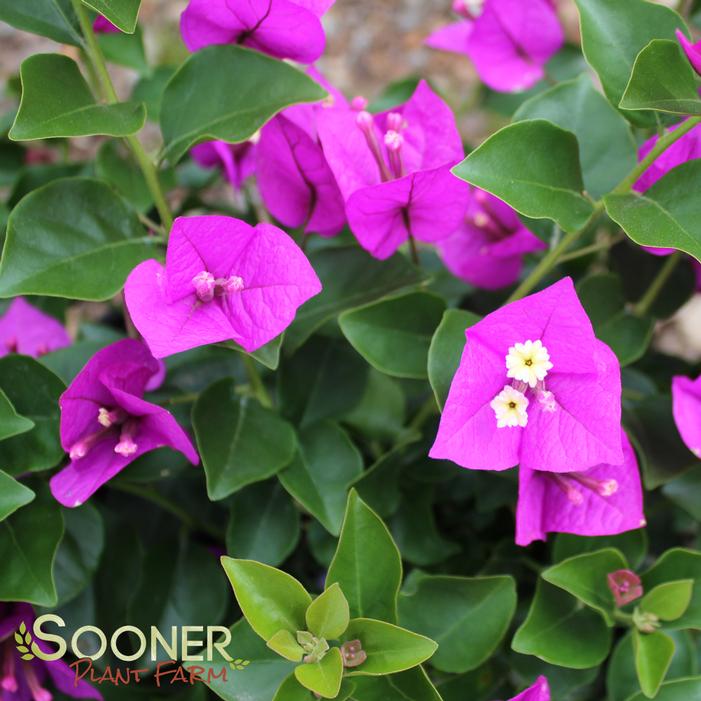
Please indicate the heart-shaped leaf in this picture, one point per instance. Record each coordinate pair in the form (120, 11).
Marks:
(324, 677)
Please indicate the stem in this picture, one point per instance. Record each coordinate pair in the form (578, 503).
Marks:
(621, 617)
(150, 494)
(660, 147)
(593, 248)
(648, 299)
(99, 67)
(414, 251)
(256, 382)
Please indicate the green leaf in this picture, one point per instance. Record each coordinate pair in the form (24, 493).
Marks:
(560, 631)
(263, 524)
(632, 544)
(627, 335)
(57, 102)
(412, 685)
(126, 50)
(467, 616)
(607, 149)
(446, 350)
(79, 553)
(324, 677)
(328, 615)
(11, 423)
(674, 565)
(389, 648)
(34, 391)
(679, 690)
(28, 543)
(319, 477)
(13, 495)
(122, 13)
(350, 279)
(662, 80)
(270, 599)
(665, 216)
(394, 335)
(50, 18)
(533, 166)
(670, 600)
(285, 644)
(653, 655)
(685, 492)
(199, 104)
(72, 238)
(367, 563)
(292, 690)
(240, 442)
(585, 576)
(613, 33)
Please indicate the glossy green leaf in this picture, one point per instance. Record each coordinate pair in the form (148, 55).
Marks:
(662, 80)
(607, 149)
(560, 631)
(367, 563)
(534, 166)
(685, 492)
(263, 524)
(126, 50)
(653, 655)
(11, 423)
(199, 104)
(670, 600)
(324, 677)
(632, 544)
(240, 442)
(122, 13)
(412, 685)
(585, 577)
(679, 690)
(319, 477)
(72, 238)
(350, 279)
(270, 599)
(467, 616)
(394, 335)
(613, 33)
(674, 565)
(13, 495)
(34, 392)
(50, 18)
(665, 216)
(328, 615)
(284, 642)
(28, 543)
(292, 690)
(57, 102)
(389, 648)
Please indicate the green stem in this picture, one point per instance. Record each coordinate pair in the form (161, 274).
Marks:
(256, 382)
(426, 411)
(150, 494)
(648, 299)
(621, 617)
(97, 62)
(593, 248)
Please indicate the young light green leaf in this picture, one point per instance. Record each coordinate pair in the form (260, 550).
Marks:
(72, 238)
(389, 648)
(285, 644)
(467, 616)
(412, 685)
(292, 690)
(688, 689)
(240, 441)
(270, 599)
(669, 601)
(11, 423)
(324, 677)
(662, 80)
(328, 615)
(367, 563)
(54, 19)
(199, 104)
(122, 13)
(13, 495)
(534, 166)
(653, 655)
(57, 102)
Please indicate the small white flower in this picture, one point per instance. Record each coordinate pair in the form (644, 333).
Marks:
(510, 408)
(528, 362)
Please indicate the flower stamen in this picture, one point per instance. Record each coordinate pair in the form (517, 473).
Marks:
(37, 690)
(366, 123)
(126, 446)
(9, 681)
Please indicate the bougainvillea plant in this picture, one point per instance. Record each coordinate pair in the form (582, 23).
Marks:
(341, 397)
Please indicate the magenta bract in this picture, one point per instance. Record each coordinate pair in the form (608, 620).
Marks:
(236, 160)
(102, 25)
(540, 691)
(625, 586)
(509, 43)
(223, 280)
(686, 407)
(105, 423)
(692, 51)
(281, 28)
(534, 387)
(601, 500)
(487, 249)
(26, 330)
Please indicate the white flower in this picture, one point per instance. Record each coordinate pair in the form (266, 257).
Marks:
(510, 408)
(528, 362)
